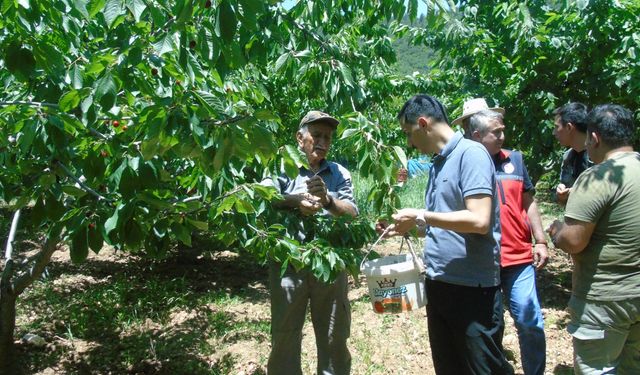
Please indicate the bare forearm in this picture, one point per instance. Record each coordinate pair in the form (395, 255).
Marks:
(289, 201)
(536, 222)
(463, 221)
(340, 207)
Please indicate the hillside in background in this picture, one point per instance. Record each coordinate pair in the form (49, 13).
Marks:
(411, 58)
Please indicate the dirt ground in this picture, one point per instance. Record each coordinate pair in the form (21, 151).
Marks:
(379, 344)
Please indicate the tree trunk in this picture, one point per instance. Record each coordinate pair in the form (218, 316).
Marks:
(7, 325)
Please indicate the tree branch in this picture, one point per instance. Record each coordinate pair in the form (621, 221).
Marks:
(82, 184)
(227, 121)
(33, 104)
(41, 261)
(12, 233)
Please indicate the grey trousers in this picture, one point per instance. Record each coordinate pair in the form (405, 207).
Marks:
(330, 315)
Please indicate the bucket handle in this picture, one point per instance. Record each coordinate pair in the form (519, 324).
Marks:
(416, 261)
(384, 233)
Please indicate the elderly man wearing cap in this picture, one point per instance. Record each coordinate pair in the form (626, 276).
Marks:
(323, 189)
(461, 251)
(519, 218)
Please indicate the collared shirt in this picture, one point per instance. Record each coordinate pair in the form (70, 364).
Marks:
(336, 178)
(463, 168)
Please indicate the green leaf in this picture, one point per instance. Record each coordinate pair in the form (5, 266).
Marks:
(181, 232)
(19, 61)
(49, 58)
(133, 234)
(106, 91)
(222, 154)
(75, 74)
(265, 115)
(112, 10)
(164, 45)
(282, 60)
(112, 222)
(79, 245)
(348, 132)
(74, 191)
(296, 155)
(251, 8)
(81, 6)
(244, 207)
(400, 155)
(154, 200)
(95, 238)
(200, 225)
(227, 22)
(69, 101)
(136, 7)
(211, 103)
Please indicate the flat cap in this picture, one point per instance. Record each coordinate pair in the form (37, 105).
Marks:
(318, 116)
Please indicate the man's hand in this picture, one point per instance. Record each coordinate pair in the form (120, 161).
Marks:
(404, 221)
(316, 187)
(562, 193)
(553, 230)
(540, 256)
(309, 204)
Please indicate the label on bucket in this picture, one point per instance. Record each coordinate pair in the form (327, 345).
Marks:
(392, 305)
(395, 284)
(388, 295)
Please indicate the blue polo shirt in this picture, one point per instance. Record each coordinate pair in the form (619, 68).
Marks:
(336, 178)
(463, 168)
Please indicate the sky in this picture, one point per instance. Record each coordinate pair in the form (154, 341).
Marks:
(422, 7)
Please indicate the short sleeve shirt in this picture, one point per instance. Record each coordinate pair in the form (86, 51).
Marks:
(463, 168)
(336, 177)
(608, 195)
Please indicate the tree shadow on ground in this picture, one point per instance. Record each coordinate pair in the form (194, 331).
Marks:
(144, 316)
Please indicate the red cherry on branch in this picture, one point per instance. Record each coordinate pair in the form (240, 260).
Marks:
(115, 123)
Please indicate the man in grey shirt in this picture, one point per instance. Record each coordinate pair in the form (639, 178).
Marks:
(325, 188)
(462, 252)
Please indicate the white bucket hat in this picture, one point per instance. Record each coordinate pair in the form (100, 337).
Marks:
(473, 106)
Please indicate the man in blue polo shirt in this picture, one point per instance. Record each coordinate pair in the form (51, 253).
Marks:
(462, 253)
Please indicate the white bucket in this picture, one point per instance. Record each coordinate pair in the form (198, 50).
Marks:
(395, 284)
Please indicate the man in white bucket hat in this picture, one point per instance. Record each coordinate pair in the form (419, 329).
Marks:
(470, 108)
(519, 220)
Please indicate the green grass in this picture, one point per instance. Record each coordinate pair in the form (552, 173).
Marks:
(411, 194)
(171, 317)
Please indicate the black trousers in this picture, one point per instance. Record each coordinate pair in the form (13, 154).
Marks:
(465, 329)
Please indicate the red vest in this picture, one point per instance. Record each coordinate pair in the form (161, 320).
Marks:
(515, 246)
